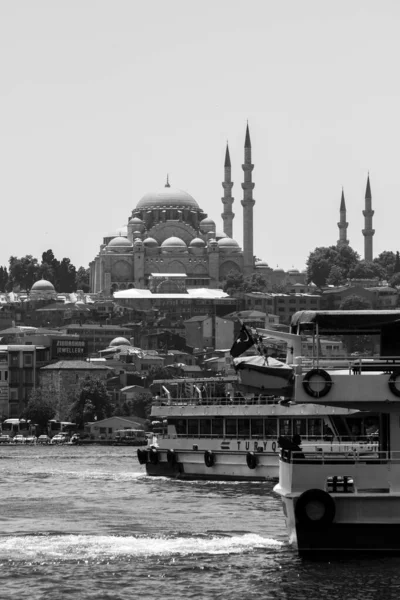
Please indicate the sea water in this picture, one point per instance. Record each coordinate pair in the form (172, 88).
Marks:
(86, 522)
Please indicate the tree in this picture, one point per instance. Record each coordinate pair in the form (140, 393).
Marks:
(367, 270)
(82, 279)
(254, 283)
(140, 406)
(395, 280)
(23, 272)
(322, 259)
(3, 279)
(66, 276)
(336, 276)
(234, 282)
(41, 407)
(91, 402)
(355, 302)
(386, 260)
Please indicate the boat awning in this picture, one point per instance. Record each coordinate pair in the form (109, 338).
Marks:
(344, 321)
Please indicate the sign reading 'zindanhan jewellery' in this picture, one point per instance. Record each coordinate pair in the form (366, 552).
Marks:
(69, 348)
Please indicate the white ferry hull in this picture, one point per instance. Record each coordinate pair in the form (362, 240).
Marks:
(362, 524)
(227, 466)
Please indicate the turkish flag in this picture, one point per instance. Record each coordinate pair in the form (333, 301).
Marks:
(242, 343)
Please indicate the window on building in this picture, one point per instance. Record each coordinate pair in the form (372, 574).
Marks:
(14, 362)
(28, 360)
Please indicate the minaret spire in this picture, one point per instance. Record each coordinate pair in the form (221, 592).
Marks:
(368, 231)
(227, 199)
(343, 225)
(248, 203)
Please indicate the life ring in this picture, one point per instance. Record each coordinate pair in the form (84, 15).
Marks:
(251, 460)
(209, 458)
(392, 383)
(142, 456)
(307, 380)
(171, 457)
(153, 456)
(315, 497)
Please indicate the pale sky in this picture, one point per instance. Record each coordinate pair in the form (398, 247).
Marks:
(100, 99)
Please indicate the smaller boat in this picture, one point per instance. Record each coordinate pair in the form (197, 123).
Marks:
(266, 375)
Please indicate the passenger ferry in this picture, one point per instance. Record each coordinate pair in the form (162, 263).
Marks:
(207, 429)
(337, 502)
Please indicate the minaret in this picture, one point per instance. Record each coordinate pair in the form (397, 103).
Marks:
(248, 203)
(368, 232)
(227, 200)
(343, 225)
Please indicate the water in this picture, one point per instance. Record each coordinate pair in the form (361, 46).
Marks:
(87, 523)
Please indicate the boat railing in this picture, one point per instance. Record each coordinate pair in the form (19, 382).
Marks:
(355, 365)
(358, 455)
(233, 401)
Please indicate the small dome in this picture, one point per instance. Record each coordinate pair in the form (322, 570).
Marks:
(119, 242)
(294, 271)
(136, 234)
(135, 221)
(261, 263)
(120, 341)
(169, 197)
(227, 243)
(197, 243)
(207, 221)
(150, 242)
(279, 270)
(43, 286)
(220, 234)
(173, 242)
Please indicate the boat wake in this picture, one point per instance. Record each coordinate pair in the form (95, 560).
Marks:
(65, 548)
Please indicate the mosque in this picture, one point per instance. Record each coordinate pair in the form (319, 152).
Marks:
(170, 242)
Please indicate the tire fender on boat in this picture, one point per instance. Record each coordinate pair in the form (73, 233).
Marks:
(311, 498)
(209, 458)
(142, 456)
(307, 380)
(251, 460)
(395, 376)
(153, 456)
(171, 457)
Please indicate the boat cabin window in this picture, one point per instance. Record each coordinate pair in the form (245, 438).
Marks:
(257, 428)
(271, 427)
(285, 427)
(205, 426)
(314, 428)
(193, 427)
(231, 427)
(217, 427)
(300, 427)
(244, 428)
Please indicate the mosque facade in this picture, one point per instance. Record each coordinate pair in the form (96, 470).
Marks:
(170, 242)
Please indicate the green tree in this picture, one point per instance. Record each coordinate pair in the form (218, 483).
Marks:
(41, 407)
(321, 260)
(234, 282)
(254, 283)
(386, 260)
(91, 402)
(23, 272)
(82, 279)
(66, 276)
(3, 279)
(395, 280)
(355, 302)
(367, 270)
(336, 276)
(140, 406)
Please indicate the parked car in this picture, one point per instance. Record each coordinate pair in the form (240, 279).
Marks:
(31, 439)
(5, 439)
(60, 438)
(43, 439)
(19, 439)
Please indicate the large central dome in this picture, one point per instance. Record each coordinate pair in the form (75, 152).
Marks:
(169, 197)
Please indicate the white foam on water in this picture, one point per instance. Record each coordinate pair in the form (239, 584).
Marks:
(81, 547)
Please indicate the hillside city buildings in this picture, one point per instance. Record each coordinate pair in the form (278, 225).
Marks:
(156, 301)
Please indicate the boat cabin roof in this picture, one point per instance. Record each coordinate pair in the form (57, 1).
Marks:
(339, 322)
